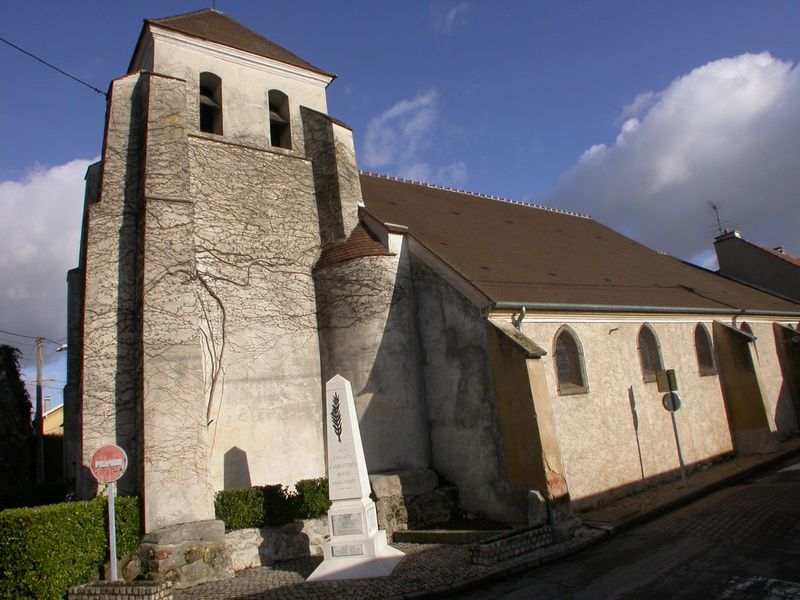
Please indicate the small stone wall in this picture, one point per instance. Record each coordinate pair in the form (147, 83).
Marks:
(185, 554)
(256, 547)
(510, 545)
(120, 590)
(412, 499)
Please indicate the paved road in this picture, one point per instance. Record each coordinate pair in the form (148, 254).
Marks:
(740, 543)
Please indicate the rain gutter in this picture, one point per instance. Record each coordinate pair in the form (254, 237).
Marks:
(611, 308)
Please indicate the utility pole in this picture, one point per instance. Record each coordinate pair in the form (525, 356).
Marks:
(39, 415)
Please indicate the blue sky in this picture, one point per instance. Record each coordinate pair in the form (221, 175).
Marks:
(638, 113)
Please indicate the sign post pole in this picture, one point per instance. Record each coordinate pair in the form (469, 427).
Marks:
(108, 464)
(678, 446)
(672, 402)
(112, 529)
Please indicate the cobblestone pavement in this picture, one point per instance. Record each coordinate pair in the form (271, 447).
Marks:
(425, 566)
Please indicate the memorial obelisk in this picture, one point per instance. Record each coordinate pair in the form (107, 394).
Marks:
(357, 549)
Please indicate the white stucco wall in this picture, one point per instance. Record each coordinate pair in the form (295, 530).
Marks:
(257, 239)
(246, 82)
(596, 429)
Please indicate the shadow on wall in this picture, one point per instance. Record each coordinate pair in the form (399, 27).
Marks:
(128, 374)
(236, 470)
(393, 423)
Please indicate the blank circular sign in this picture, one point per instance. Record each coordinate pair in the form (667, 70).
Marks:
(108, 464)
(671, 401)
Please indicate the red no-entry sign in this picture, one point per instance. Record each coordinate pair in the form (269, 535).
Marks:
(108, 464)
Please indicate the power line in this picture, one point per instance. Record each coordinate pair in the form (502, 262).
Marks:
(44, 62)
(30, 337)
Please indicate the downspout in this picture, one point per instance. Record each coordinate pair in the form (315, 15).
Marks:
(517, 321)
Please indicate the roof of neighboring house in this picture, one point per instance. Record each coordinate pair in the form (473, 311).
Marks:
(514, 252)
(361, 243)
(790, 259)
(212, 25)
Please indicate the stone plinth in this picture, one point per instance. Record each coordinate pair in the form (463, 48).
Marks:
(186, 554)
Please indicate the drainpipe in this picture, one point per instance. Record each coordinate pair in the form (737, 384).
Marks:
(517, 322)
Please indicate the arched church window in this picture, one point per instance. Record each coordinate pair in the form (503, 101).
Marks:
(280, 133)
(649, 353)
(704, 350)
(570, 371)
(210, 103)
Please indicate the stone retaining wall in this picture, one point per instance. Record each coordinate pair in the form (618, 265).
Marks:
(255, 547)
(412, 499)
(508, 546)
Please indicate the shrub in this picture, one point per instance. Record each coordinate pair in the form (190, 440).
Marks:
(312, 498)
(279, 505)
(240, 507)
(271, 505)
(47, 549)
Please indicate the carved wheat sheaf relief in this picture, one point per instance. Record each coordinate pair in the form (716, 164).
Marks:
(336, 418)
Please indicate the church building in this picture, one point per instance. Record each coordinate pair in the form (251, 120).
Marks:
(234, 258)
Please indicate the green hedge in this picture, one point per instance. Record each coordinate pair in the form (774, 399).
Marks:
(47, 549)
(271, 505)
(312, 498)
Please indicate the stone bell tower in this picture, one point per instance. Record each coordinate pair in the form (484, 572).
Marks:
(192, 318)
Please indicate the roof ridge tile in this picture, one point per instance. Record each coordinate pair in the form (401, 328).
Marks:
(475, 194)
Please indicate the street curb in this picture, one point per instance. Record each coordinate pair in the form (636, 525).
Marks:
(607, 532)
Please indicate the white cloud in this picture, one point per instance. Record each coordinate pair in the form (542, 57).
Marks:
(39, 237)
(397, 133)
(449, 20)
(400, 139)
(727, 133)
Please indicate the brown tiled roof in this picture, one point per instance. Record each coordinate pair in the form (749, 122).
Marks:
(520, 253)
(212, 25)
(361, 243)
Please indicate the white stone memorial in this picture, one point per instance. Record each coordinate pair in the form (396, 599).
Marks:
(357, 549)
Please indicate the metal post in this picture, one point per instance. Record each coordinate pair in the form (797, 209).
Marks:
(678, 446)
(112, 530)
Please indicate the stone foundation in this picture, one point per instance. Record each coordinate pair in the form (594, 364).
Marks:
(256, 547)
(120, 590)
(412, 499)
(185, 554)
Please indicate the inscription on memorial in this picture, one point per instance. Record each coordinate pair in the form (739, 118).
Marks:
(344, 470)
(347, 550)
(347, 524)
